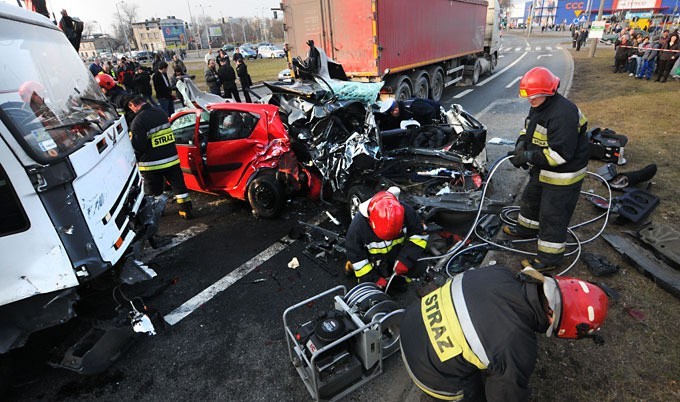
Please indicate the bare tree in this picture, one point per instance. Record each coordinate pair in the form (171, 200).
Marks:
(126, 15)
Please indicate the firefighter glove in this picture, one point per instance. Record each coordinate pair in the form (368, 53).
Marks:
(400, 268)
(522, 159)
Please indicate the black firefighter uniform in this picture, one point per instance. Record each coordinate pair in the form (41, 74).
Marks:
(154, 145)
(556, 135)
(372, 257)
(475, 337)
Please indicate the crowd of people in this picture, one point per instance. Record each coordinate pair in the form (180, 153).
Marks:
(220, 76)
(646, 55)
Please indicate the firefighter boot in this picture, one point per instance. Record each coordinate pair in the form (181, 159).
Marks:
(519, 231)
(538, 265)
(185, 210)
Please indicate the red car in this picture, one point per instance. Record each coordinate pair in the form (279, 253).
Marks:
(241, 150)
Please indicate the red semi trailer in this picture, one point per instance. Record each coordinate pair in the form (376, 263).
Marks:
(417, 47)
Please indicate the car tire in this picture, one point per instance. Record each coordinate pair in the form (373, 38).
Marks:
(355, 196)
(265, 196)
(259, 56)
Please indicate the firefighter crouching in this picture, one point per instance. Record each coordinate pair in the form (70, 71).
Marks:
(475, 337)
(154, 146)
(554, 145)
(386, 236)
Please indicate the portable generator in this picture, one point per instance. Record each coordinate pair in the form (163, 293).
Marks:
(341, 349)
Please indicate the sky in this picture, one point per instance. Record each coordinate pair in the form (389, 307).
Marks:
(104, 12)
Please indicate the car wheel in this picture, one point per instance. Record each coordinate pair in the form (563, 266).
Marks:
(266, 196)
(355, 196)
(259, 56)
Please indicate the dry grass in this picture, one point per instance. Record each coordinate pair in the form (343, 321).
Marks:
(641, 358)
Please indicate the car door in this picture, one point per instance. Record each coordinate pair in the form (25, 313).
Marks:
(188, 127)
(236, 138)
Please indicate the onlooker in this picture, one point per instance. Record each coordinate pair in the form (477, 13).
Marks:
(649, 59)
(237, 54)
(621, 54)
(125, 75)
(221, 56)
(227, 75)
(107, 68)
(211, 78)
(157, 59)
(163, 89)
(176, 62)
(667, 56)
(581, 40)
(244, 77)
(208, 56)
(143, 83)
(177, 76)
(96, 67)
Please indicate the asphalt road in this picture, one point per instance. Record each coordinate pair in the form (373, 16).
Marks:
(232, 347)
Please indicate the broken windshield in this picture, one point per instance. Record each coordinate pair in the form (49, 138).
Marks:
(49, 101)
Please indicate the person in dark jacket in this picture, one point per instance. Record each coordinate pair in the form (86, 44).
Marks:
(244, 77)
(386, 236)
(114, 92)
(212, 79)
(161, 84)
(621, 54)
(125, 75)
(581, 39)
(227, 75)
(154, 145)
(142, 83)
(668, 54)
(554, 145)
(475, 337)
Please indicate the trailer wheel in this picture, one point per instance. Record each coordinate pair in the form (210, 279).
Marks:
(437, 84)
(403, 90)
(421, 86)
(266, 196)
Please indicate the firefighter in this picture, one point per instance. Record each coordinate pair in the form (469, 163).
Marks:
(385, 236)
(475, 337)
(114, 92)
(554, 146)
(154, 145)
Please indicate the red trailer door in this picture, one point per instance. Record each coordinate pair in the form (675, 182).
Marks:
(352, 36)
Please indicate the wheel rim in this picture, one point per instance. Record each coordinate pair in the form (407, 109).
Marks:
(354, 203)
(265, 197)
(404, 91)
(437, 86)
(422, 88)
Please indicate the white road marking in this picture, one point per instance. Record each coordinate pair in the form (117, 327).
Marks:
(538, 48)
(528, 48)
(460, 95)
(513, 82)
(548, 48)
(543, 55)
(517, 49)
(502, 71)
(179, 238)
(216, 288)
(559, 48)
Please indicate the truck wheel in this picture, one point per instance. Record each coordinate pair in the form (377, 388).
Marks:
(493, 63)
(437, 84)
(266, 196)
(421, 86)
(477, 72)
(403, 90)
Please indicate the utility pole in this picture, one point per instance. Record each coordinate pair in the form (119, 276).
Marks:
(194, 25)
(594, 41)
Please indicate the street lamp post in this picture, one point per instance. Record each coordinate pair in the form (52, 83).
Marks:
(205, 24)
(120, 21)
(231, 28)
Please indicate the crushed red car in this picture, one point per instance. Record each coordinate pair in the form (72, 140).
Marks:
(241, 150)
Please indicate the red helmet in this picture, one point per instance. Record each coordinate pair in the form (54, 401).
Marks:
(386, 215)
(105, 81)
(28, 88)
(580, 310)
(538, 81)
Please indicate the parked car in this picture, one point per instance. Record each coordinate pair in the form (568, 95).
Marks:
(247, 52)
(285, 75)
(241, 150)
(269, 52)
(265, 44)
(145, 56)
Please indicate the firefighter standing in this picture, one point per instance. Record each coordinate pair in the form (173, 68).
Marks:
(475, 337)
(554, 145)
(156, 154)
(385, 236)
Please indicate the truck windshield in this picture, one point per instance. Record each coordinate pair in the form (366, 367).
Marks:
(48, 98)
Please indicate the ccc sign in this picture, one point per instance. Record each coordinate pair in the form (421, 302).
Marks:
(577, 5)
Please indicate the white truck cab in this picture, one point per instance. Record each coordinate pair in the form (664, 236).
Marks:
(69, 186)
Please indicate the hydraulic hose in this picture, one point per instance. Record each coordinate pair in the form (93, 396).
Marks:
(457, 249)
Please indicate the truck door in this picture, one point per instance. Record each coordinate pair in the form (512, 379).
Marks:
(33, 260)
(234, 141)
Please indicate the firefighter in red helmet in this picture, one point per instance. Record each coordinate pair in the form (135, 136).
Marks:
(114, 92)
(553, 145)
(386, 236)
(475, 337)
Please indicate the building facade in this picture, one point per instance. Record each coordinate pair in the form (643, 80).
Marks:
(640, 13)
(160, 34)
(94, 45)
